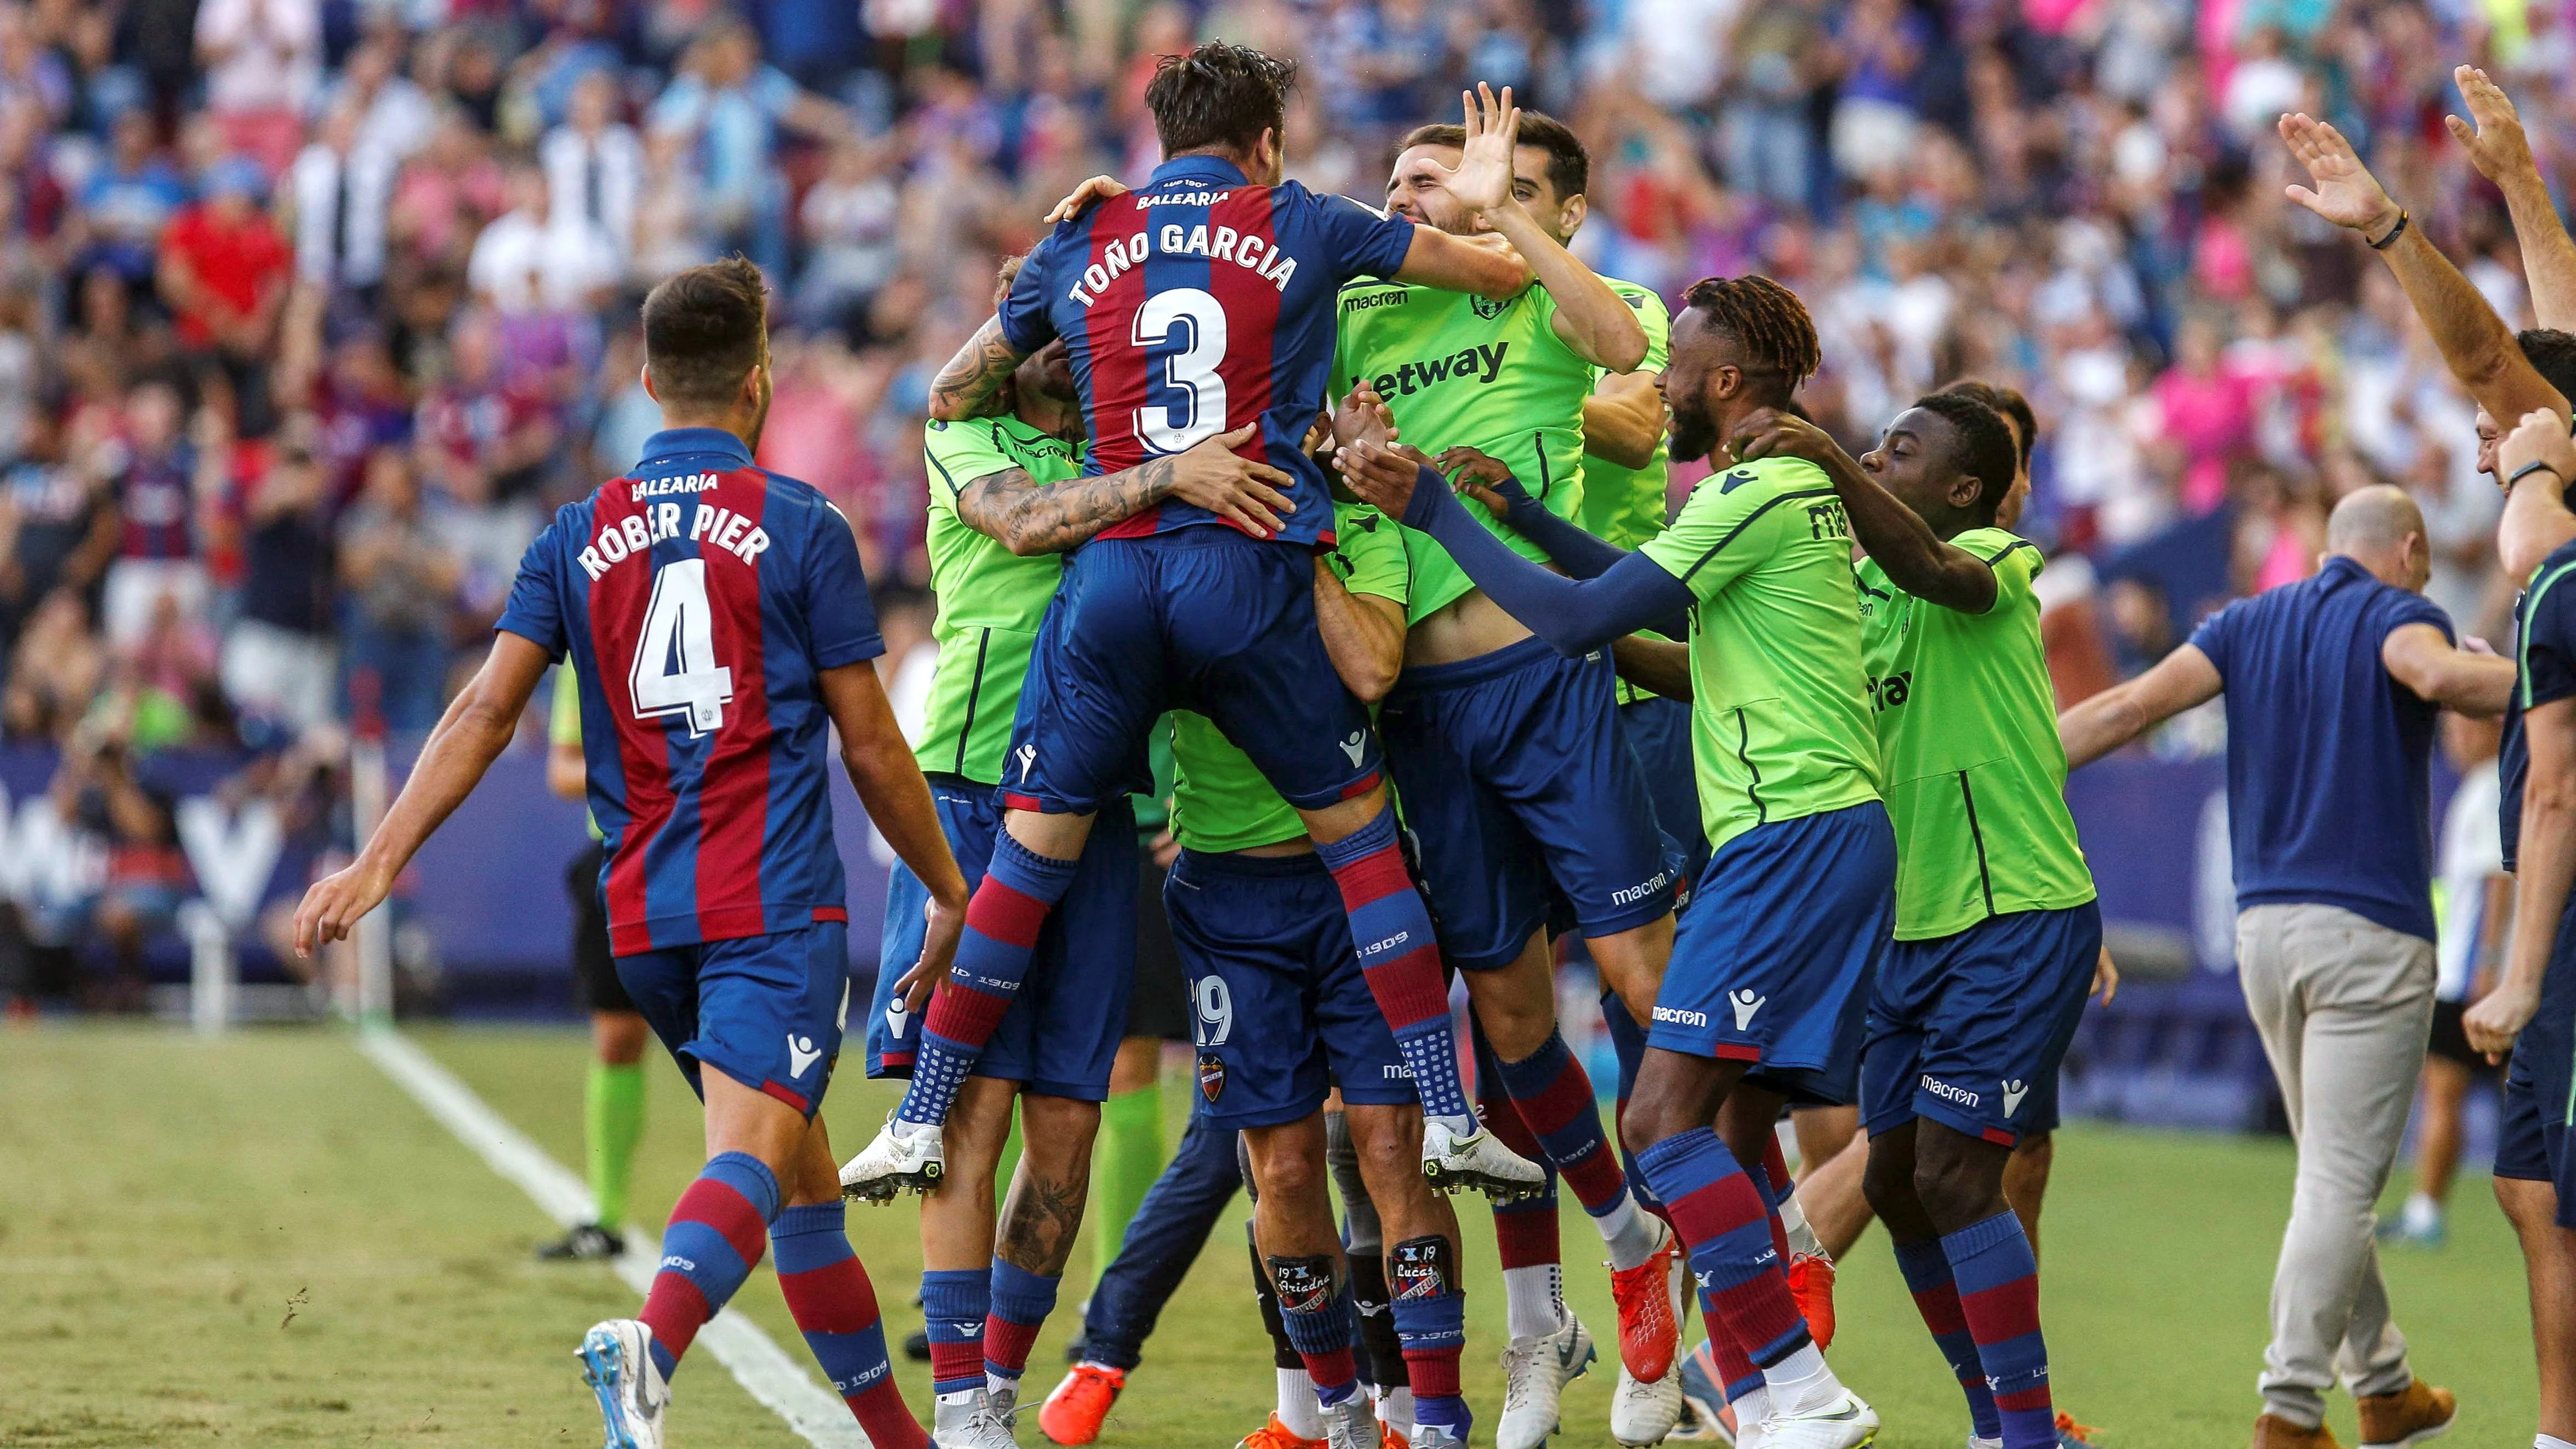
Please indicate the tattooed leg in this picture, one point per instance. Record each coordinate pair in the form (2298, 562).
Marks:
(1039, 1225)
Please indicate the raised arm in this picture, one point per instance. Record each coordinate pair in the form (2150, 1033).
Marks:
(1916, 559)
(891, 789)
(2419, 657)
(1576, 616)
(2536, 463)
(2502, 154)
(2476, 344)
(1623, 418)
(965, 387)
(478, 725)
(1028, 517)
(2129, 709)
(1591, 319)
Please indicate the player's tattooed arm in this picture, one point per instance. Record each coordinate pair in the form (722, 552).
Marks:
(966, 387)
(1920, 561)
(1028, 517)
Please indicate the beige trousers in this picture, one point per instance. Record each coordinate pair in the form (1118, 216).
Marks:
(2343, 1005)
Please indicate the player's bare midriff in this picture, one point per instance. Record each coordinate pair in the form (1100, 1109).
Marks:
(1470, 626)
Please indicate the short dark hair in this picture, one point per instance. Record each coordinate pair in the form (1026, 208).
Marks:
(1569, 165)
(1768, 323)
(1218, 95)
(704, 329)
(2007, 401)
(2553, 356)
(1009, 274)
(1984, 449)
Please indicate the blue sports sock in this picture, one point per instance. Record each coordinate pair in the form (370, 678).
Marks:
(1315, 1311)
(1998, 1282)
(1021, 1302)
(1400, 959)
(1926, 1269)
(1432, 1325)
(717, 1231)
(835, 1307)
(954, 1302)
(1002, 924)
(1724, 1220)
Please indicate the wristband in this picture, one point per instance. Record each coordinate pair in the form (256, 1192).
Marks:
(2526, 470)
(2384, 243)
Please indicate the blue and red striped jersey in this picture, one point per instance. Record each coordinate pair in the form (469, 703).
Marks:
(701, 598)
(1193, 306)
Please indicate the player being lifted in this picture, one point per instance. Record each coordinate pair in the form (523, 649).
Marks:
(1997, 932)
(1793, 912)
(1006, 498)
(1200, 304)
(717, 620)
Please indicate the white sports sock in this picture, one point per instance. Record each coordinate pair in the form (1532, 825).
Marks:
(1630, 1234)
(2422, 1214)
(1753, 1408)
(1299, 1409)
(1534, 1300)
(1976, 1443)
(1801, 1383)
(1802, 1238)
(1000, 1383)
(1460, 1128)
(1395, 1410)
(2551, 1441)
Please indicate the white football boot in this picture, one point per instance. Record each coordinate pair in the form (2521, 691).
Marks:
(1643, 1413)
(1536, 1369)
(1846, 1423)
(1478, 1161)
(967, 1421)
(905, 1157)
(617, 1362)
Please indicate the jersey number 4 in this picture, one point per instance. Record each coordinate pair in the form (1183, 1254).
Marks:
(675, 670)
(1174, 426)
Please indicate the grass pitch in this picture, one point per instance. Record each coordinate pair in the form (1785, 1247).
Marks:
(262, 1241)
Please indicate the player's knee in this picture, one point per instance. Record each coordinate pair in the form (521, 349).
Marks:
(1056, 1135)
(1387, 1143)
(1958, 1188)
(1887, 1182)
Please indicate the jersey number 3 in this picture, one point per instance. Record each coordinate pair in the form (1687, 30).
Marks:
(675, 669)
(1174, 426)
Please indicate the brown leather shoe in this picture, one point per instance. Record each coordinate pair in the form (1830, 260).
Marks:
(2411, 1415)
(2274, 1432)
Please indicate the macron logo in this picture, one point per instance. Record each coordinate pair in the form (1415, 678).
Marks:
(896, 1017)
(1745, 1004)
(1949, 1093)
(1028, 760)
(2014, 1091)
(801, 1053)
(1354, 747)
(1678, 1017)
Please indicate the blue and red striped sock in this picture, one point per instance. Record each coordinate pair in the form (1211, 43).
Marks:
(718, 1230)
(1431, 1323)
(835, 1307)
(1724, 1220)
(1021, 1302)
(1554, 1097)
(1525, 1229)
(1002, 923)
(1936, 1296)
(1400, 959)
(954, 1302)
(1315, 1311)
(1998, 1282)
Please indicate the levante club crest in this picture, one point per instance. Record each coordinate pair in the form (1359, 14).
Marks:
(1211, 1075)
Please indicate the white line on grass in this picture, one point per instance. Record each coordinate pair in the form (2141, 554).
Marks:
(758, 1364)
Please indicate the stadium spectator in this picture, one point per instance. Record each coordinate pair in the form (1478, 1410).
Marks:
(263, 64)
(277, 658)
(224, 272)
(594, 165)
(402, 583)
(533, 258)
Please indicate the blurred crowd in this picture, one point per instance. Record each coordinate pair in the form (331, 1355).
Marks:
(311, 311)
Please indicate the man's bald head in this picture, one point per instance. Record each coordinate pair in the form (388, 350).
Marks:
(2381, 529)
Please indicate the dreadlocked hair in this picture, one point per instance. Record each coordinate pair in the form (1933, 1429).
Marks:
(1766, 319)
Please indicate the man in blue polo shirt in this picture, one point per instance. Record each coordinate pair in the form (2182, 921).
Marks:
(2332, 686)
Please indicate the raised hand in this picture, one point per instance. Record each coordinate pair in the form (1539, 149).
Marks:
(2496, 144)
(1362, 414)
(2345, 192)
(1098, 188)
(1381, 476)
(1483, 179)
(2541, 437)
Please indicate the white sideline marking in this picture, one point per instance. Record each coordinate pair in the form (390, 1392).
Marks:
(763, 1369)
